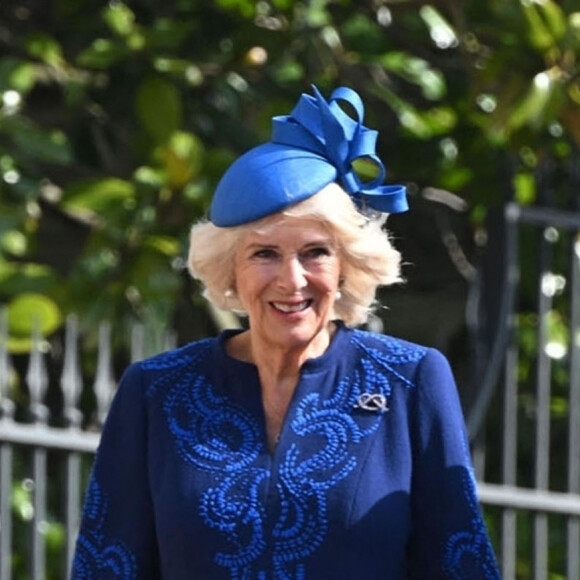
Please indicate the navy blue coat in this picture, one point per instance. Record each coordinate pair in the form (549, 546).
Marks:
(184, 487)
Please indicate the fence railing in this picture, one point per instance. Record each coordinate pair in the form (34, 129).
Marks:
(45, 456)
(537, 469)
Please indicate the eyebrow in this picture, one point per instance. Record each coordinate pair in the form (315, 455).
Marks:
(256, 246)
(321, 242)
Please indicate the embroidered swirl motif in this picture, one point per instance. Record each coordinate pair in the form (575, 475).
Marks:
(95, 553)
(469, 548)
(174, 361)
(214, 434)
(210, 431)
(235, 509)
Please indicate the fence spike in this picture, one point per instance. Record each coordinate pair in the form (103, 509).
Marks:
(170, 340)
(37, 378)
(6, 404)
(104, 382)
(71, 380)
(137, 342)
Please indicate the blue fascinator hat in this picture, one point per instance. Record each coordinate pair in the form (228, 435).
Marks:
(311, 147)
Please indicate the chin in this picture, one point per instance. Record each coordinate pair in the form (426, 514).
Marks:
(301, 335)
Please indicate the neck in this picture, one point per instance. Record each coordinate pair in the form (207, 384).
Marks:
(276, 361)
(279, 372)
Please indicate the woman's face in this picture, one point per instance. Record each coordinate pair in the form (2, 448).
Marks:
(287, 278)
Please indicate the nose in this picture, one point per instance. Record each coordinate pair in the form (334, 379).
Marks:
(292, 275)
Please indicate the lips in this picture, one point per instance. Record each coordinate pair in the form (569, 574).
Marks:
(291, 308)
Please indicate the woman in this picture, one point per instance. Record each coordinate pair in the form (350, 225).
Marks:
(300, 448)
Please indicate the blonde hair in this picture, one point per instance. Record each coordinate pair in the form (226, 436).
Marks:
(367, 258)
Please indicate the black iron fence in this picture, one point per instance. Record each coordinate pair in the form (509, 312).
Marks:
(529, 398)
(46, 453)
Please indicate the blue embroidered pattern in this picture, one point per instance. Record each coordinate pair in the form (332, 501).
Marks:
(175, 361)
(95, 553)
(210, 431)
(469, 549)
(214, 434)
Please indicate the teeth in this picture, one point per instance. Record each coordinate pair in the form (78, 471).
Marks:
(291, 307)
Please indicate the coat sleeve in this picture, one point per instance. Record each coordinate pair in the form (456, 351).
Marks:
(449, 539)
(117, 534)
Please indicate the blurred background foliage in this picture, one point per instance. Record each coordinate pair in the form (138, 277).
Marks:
(118, 118)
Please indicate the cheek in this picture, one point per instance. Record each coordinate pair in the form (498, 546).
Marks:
(251, 281)
(328, 280)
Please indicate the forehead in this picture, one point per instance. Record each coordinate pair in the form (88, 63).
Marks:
(283, 230)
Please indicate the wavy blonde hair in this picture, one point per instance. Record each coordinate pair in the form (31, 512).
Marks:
(367, 258)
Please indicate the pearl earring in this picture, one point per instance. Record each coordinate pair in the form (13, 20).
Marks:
(229, 293)
(338, 294)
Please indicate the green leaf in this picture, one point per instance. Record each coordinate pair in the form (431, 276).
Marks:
(441, 32)
(39, 144)
(102, 54)
(555, 18)
(149, 176)
(427, 124)
(23, 77)
(16, 74)
(45, 48)
(363, 35)
(136, 40)
(182, 158)
(22, 278)
(559, 408)
(159, 108)
(283, 4)
(574, 29)
(316, 14)
(288, 71)
(14, 242)
(420, 124)
(541, 104)
(22, 502)
(165, 245)
(416, 71)
(54, 535)
(99, 195)
(525, 188)
(456, 178)
(246, 8)
(546, 23)
(119, 18)
(33, 312)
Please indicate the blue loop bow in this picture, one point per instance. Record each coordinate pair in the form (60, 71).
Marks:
(326, 130)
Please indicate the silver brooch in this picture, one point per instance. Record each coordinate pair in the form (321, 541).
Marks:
(372, 402)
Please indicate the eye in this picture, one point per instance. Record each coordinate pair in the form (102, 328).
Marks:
(265, 254)
(318, 252)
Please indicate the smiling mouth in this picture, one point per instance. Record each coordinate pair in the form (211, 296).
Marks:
(289, 308)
